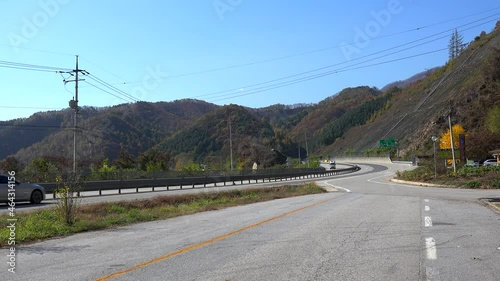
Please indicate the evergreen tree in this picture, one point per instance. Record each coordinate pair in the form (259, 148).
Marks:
(456, 45)
(125, 159)
(493, 120)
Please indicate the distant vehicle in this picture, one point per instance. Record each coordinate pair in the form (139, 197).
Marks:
(490, 162)
(31, 192)
(473, 164)
(328, 165)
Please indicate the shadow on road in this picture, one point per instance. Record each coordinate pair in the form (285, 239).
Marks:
(26, 205)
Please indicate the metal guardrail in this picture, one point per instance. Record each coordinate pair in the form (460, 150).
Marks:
(193, 182)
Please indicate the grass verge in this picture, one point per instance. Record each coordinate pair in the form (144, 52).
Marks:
(466, 177)
(43, 224)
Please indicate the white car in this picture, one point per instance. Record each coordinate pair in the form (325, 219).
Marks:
(490, 162)
(31, 192)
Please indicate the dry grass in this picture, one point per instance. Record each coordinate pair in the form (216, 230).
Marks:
(46, 224)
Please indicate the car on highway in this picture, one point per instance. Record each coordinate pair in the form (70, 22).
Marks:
(490, 162)
(472, 163)
(31, 192)
(328, 165)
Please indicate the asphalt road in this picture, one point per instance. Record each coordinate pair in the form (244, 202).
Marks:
(145, 193)
(371, 229)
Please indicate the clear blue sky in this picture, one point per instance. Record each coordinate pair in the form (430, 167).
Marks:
(175, 49)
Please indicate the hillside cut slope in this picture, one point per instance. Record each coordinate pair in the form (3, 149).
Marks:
(465, 88)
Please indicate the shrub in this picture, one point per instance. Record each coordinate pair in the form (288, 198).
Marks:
(421, 173)
(473, 184)
(67, 205)
(496, 184)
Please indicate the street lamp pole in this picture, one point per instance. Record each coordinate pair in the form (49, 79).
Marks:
(434, 139)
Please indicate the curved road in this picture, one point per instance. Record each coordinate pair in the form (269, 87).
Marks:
(372, 229)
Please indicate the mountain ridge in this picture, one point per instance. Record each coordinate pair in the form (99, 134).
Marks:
(355, 119)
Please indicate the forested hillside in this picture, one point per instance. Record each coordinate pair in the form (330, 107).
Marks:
(103, 132)
(20, 133)
(321, 120)
(170, 135)
(467, 87)
(209, 139)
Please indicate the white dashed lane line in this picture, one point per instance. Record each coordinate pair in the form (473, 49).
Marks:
(428, 222)
(430, 246)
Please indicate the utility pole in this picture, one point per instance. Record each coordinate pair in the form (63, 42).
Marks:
(434, 139)
(73, 104)
(300, 160)
(76, 117)
(307, 150)
(452, 144)
(230, 141)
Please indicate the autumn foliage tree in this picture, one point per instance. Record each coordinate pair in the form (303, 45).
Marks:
(445, 141)
(10, 164)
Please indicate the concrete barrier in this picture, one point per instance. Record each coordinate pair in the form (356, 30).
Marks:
(357, 160)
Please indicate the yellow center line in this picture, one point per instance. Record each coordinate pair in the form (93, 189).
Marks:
(202, 244)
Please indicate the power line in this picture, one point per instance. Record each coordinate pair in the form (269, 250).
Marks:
(108, 92)
(36, 50)
(112, 88)
(237, 91)
(27, 127)
(345, 62)
(103, 69)
(314, 51)
(32, 67)
(29, 107)
(316, 76)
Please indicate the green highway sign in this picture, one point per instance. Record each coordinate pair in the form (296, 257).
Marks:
(387, 143)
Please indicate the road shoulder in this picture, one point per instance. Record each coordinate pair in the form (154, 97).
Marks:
(488, 202)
